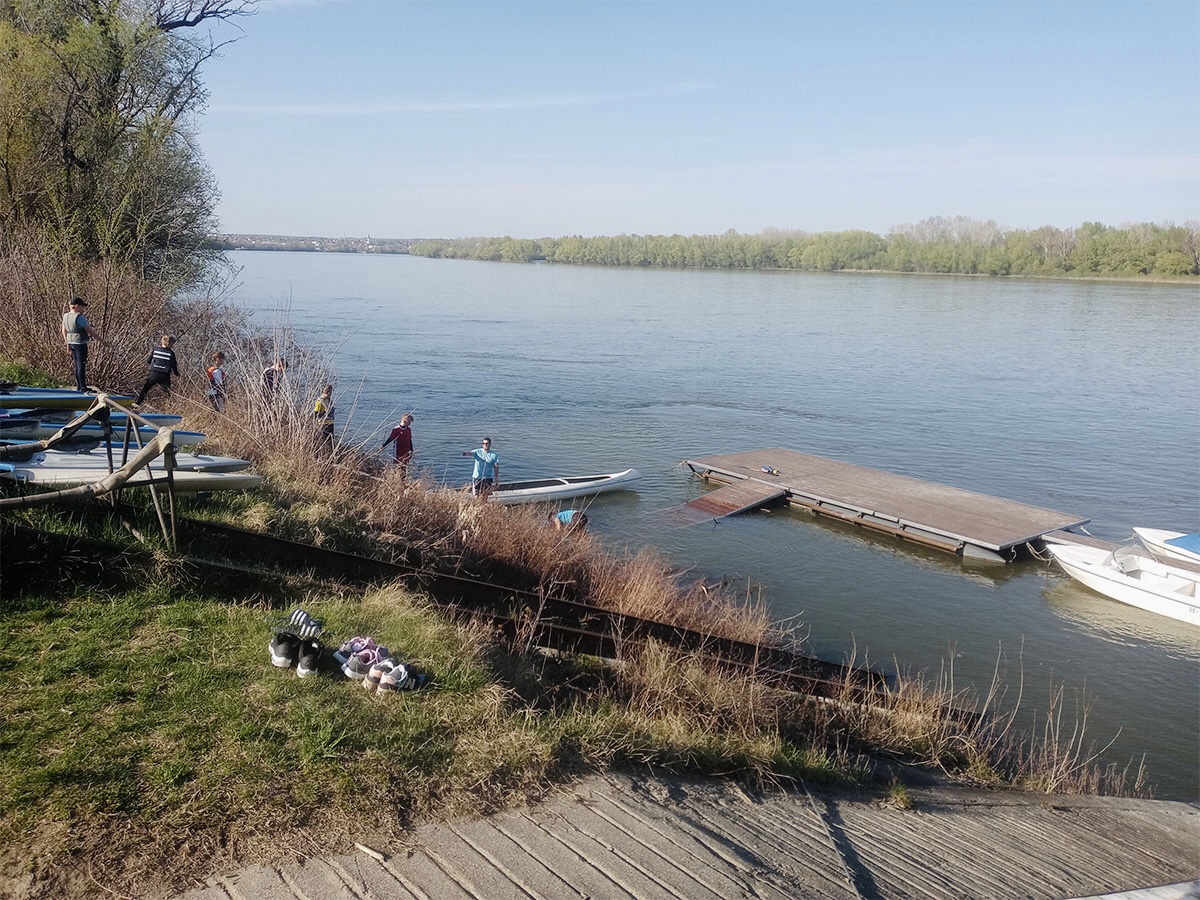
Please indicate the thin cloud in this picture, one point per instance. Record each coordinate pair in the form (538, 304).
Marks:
(445, 107)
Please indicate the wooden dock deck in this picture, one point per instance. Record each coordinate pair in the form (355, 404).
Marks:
(935, 515)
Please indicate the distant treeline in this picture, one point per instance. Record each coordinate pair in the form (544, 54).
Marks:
(310, 244)
(957, 245)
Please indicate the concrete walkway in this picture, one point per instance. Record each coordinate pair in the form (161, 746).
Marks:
(621, 837)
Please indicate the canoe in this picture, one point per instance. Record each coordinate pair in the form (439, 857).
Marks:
(53, 467)
(25, 398)
(96, 432)
(19, 429)
(62, 416)
(185, 481)
(540, 490)
(17, 451)
(1172, 544)
(1136, 580)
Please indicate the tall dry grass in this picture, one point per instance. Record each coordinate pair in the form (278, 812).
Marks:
(37, 281)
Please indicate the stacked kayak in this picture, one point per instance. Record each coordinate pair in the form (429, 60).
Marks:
(36, 414)
(54, 398)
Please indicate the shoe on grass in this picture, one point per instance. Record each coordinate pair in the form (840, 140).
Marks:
(402, 678)
(378, 671)
(285, 649)
(310, 658)
(352, 646)
(302, 624)
(358, 666)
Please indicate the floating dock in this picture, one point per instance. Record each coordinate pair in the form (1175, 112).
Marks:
(946, 518)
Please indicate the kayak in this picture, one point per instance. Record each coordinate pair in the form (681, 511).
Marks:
(56, 398)
(57, 467)
(547, 490)
(185, 481)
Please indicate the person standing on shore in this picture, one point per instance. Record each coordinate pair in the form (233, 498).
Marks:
(323, 412)
(487, 469)
(401, 436)
(273, 375)
(76, 332)
(162, 367)
(216, 382)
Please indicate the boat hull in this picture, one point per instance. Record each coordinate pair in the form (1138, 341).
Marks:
(1134, 580)
(145, 432)
(1159, 543)
(553, 490)
(52, 467)
(186, 481)
(51, 398)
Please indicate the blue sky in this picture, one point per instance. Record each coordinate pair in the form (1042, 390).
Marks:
(533, 119)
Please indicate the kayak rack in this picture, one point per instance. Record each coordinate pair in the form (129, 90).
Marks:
(100, 409)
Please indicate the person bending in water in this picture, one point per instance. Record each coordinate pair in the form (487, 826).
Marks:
(569, 520)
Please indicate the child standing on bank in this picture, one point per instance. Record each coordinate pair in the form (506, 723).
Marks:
(162, 367)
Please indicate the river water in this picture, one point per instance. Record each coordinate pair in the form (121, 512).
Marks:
(1079, 397)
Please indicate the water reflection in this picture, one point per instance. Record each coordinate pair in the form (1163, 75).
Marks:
(1119, 623)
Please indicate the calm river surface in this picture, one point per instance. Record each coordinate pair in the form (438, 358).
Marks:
(1079, 397)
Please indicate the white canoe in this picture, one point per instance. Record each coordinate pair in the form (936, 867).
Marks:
(52, 467)
(1172, 544)
(541, 490)
(1136, 580)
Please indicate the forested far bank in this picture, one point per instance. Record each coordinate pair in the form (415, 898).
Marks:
(938, 245)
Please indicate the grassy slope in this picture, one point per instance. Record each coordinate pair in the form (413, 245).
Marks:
(148, 742)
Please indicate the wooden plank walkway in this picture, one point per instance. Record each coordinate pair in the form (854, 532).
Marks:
(737, 497)
(936, 515)
(668, 837)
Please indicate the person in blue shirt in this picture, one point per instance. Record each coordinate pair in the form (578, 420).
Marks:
(487, 469)
(569, 520)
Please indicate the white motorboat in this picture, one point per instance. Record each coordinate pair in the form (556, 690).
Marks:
(1172, 544)
(541, 490)
(1131, 578)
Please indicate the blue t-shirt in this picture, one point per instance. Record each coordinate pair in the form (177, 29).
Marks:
(485, 463)
(567, 516)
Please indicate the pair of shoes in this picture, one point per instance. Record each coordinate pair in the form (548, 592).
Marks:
(405, 679)
(288, 649)
(358, 645)
(358, 665)
(392, 675)
(380, 671)
(301, 624)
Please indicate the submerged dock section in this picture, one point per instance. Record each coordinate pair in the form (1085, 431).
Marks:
(935, 515)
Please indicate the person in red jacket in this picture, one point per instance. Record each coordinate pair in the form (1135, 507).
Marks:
(401, 436)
